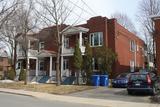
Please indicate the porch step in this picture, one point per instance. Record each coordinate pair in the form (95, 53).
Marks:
(44, 79)
(68, 80)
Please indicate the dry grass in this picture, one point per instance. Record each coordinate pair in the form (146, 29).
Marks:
(47, 88)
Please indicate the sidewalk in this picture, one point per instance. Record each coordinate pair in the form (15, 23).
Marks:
(70, 99)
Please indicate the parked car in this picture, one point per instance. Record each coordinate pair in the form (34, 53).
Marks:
(121, 81)
(143, 82)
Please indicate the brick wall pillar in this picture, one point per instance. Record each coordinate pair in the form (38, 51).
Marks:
(157, 40)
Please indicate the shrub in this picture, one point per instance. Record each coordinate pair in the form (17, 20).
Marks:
(22, 75)
(11, 74)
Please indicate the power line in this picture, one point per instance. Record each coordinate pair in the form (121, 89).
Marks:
(89, 7)
(81, 8)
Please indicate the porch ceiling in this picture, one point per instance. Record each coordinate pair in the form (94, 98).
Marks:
(74, 30)
(45, 53)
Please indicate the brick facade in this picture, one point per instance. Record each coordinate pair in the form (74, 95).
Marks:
(118, 39)
(157, 40)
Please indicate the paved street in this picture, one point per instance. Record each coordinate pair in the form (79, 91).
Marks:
(10, 100)
(118, 94)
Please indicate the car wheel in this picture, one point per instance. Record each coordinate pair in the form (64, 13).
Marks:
(130, 93)
(153, 91)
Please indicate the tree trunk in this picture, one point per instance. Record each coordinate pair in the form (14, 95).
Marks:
(15, 57)
(26, 79)
(58, 66)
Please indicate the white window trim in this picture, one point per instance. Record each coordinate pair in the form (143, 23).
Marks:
(132, 65)
(66, 42)
(132, 42)
(92, 39)
(40, 46)
(65, 61)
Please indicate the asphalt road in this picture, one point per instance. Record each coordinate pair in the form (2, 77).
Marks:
(119, 94)
(10, 100)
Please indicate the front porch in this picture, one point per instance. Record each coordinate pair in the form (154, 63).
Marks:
(41, 68)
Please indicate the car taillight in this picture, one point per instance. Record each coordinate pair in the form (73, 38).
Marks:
(148, 79)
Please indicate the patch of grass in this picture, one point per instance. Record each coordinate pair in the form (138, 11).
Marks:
(47, 88)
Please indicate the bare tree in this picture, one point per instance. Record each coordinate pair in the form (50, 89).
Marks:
(55, 12)
(148, 8)
(125, 21)
(7, 8)
(20, 24)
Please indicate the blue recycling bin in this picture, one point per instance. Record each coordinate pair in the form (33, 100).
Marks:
(104, 80)
(95, 80)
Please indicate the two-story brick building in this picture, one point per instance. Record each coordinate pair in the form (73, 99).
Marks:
(156, 20)
(98, 31)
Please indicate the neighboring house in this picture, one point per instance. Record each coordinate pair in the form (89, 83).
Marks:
(98, 31)
(4, 63)
(156, 20)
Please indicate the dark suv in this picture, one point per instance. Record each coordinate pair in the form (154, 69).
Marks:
(142, 82)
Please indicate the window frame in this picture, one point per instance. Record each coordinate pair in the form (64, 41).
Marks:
(65, 64)
(100, 39)
(66, 42)
(41, 47)
(132, 46)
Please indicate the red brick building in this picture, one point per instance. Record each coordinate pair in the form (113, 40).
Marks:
(98, 31)
(4, 64)
(156, 19)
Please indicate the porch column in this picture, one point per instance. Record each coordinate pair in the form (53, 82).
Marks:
(61, 65)
(36, 69)
(62, 44)
(29, 44)
(80, 39)
(50, 67)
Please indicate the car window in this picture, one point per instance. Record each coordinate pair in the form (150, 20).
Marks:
(135, 77)
(122, 75)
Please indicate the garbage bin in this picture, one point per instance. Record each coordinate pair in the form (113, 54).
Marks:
(95, 80)
(104, 81)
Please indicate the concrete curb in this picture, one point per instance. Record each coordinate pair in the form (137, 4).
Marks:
(70, 99)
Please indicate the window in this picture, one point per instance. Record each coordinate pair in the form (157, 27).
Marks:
(96, 39)
(95, 64)
(132, 65)
(41, 45)
(66, 42)
(41, 65)
(65, 64)
(132, 46)
(137, 48)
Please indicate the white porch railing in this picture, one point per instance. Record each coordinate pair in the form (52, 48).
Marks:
(71, 50)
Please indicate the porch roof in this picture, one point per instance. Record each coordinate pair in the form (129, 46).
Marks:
(74, 30)
(46, 53)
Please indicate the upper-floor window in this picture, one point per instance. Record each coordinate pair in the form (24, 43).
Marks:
(41, 45)
(96, 39)
(66, 42)
(132, 46)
